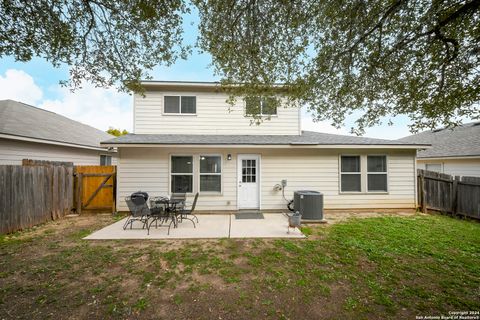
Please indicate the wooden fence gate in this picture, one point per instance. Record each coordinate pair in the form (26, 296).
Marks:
(95, 188)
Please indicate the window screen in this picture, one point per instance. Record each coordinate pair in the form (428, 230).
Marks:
(171, 104)
(189, 104)
(210, 174)
(351, 177)
(351, 182)
(377, 173)
(105, 160)
(182, 174)
(260, 106)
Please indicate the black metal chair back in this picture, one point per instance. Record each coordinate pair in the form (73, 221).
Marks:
(179, 199)
(179, 196)
(194, 202)
(137, 204)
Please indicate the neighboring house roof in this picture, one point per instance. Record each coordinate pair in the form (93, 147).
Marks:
(461, 141)
(24, 122)
(307, 138)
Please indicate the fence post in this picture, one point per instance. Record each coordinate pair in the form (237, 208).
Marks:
(423, 194)
(114, 192)
(455, 194)
(79, 193)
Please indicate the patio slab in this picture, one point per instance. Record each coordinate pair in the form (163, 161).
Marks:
(209, 227)
(274, 225)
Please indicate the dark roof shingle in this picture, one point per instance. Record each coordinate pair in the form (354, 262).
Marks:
(23, 120)
(461, 141)
(307, 138)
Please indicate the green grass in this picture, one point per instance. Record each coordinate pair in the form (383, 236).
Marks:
(390, 267)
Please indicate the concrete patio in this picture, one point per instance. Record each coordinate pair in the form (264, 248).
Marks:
(210, 226)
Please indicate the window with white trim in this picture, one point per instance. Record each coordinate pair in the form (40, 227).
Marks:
(210, 173)
(264, 106)
(105, 160)
(181, 174)
(180, 104)
(350, 174)
(377, 174)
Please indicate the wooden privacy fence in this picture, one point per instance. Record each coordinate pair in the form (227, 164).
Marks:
(446, 193)
(33, 194)
(95, 188)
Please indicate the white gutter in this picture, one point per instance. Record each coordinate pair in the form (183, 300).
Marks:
(448, 158)
(273, 146)
(58, 143)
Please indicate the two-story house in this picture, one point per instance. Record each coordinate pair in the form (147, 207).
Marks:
(187, 138)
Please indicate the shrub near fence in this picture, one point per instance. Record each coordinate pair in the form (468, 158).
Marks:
(31, 195)
(446, 193)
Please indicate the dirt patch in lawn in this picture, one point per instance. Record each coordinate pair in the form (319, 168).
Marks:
(335, 216)
(382, 267)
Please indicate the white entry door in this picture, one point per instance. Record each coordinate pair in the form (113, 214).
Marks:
(248, 181)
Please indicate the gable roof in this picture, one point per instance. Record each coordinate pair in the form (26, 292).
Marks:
(461, 141)
(19, 121)
(307, 138)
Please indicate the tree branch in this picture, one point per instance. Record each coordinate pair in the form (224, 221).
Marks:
(379, 24)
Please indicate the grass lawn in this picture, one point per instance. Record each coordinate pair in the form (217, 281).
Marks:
(373, 268)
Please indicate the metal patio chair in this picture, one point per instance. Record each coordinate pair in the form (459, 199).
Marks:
(139, 210)
(187, 214)
(159, 211)
(179, 200)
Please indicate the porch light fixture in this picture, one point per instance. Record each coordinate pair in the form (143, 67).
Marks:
(229, 156)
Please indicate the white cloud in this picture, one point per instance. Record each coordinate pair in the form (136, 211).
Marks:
(97, 107)
(20, 86)
(100, 108)
(321, 126)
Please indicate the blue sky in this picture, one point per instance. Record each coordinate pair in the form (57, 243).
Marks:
(37, 83)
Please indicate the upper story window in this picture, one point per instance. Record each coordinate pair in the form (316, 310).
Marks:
(263, 106)
(180, 104)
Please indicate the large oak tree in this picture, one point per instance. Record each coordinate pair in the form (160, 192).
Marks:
(378, 58)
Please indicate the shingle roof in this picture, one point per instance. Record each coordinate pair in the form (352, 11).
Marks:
(461, 141)
(23, 120)
(307, 138)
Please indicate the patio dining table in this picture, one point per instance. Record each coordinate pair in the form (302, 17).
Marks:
(171, 207)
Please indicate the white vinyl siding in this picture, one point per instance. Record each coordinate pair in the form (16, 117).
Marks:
(437, 167)
(147, 169)
(12, 152)
(456, 167)
(213, 116)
